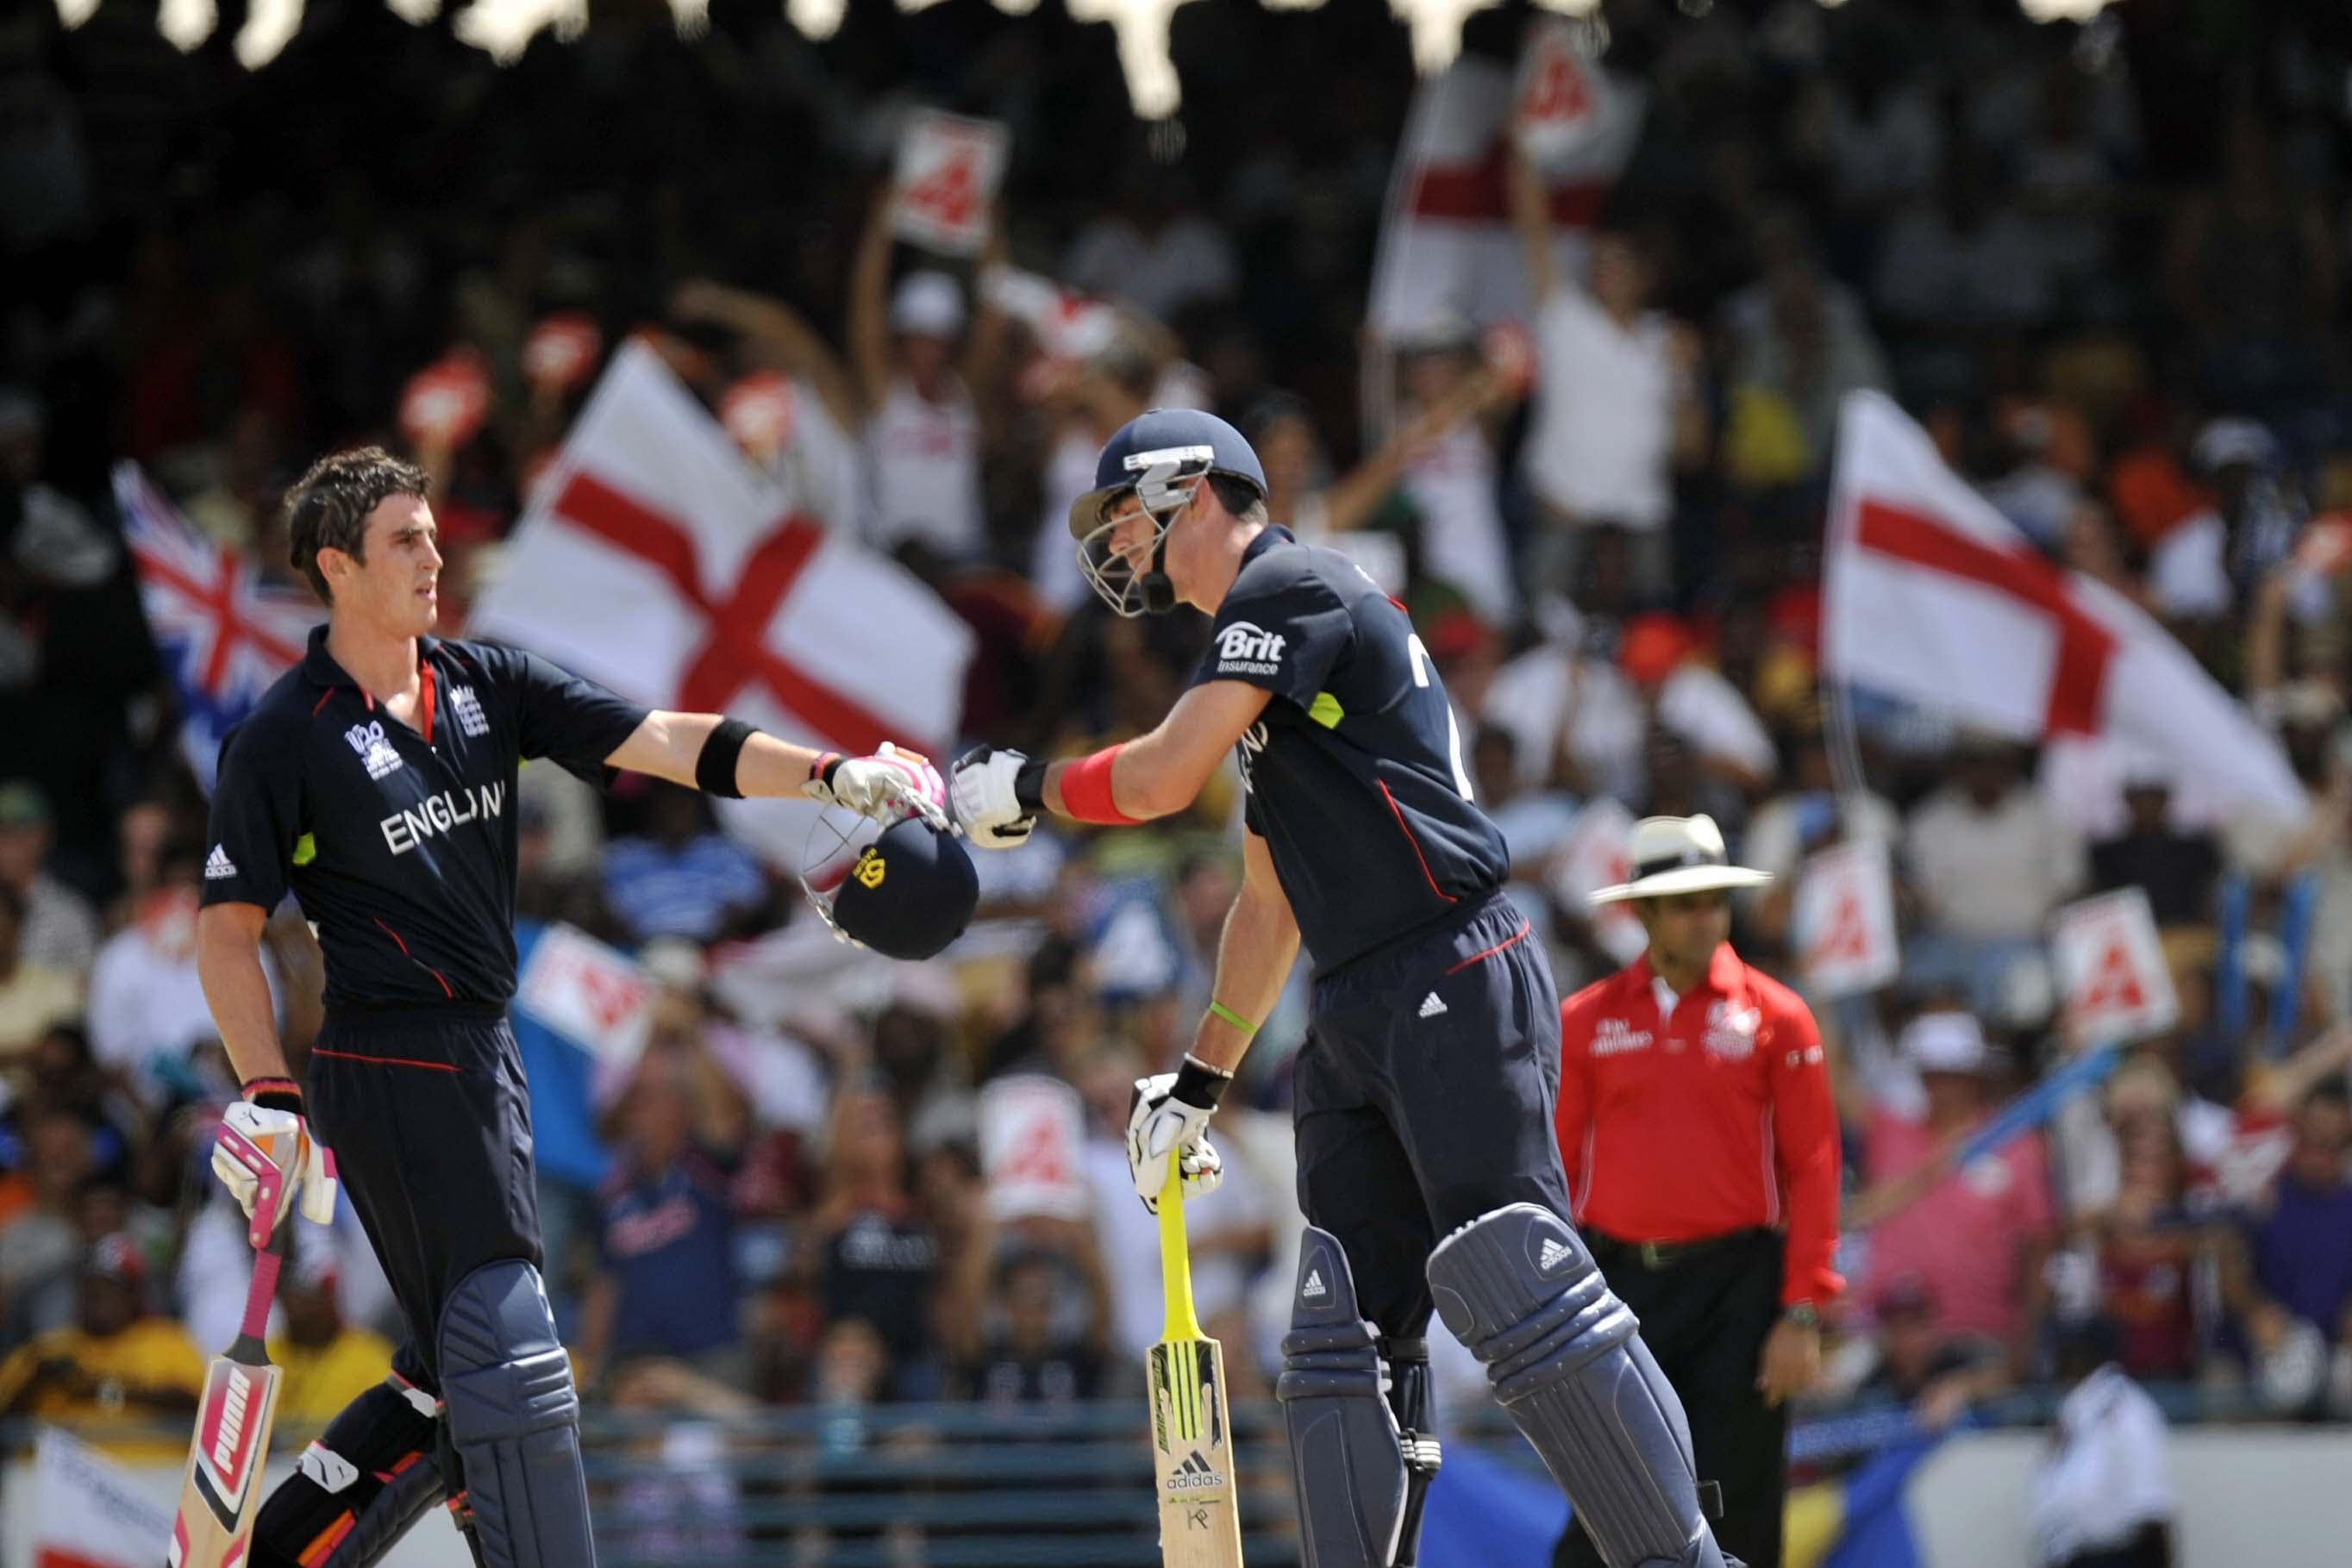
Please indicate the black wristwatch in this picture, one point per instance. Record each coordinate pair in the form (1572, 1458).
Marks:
(1803, 1314)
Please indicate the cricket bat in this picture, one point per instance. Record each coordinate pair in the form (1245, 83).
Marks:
(220, 1491)
(1192, 1447)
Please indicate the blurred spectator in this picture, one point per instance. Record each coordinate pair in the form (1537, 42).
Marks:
(1989, 861)
(1810, 813)
(1963, 257)
(1618, 407)
(1918, 1365)
(916, 367)
(2250, 270)
(60, 927)
(2177, 869)
(1153, 249)
(1976, 1236)
(2149, 1252)
(1040, 1342)
(2298, 1263)
(681, 877)
(1450, 407)
(679, 1500)
(868, 1249)
(1691, 701)
(2210, 563)
(119, 1364)
(328, 1363)
(1579, 722)
(665, 1280)
(2105, 1496)
(146, 1005)
(41, 1240)
(1800, 343)
(34, 996)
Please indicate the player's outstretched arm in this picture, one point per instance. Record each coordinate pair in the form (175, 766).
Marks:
(997, 795)
(726, 757)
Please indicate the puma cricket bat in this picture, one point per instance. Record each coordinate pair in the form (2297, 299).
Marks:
(1191, 1447)
(220, 1491)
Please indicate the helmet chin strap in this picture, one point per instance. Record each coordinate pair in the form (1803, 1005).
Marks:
(1159, 588)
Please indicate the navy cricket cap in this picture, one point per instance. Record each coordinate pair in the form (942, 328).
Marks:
(909, 893)
(1196, 442)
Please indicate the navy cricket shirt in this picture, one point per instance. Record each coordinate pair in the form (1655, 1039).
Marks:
(400, 842)
(1354, 772)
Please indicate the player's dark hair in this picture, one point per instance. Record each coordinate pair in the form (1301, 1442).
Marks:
(328, 507)
(1237, 496)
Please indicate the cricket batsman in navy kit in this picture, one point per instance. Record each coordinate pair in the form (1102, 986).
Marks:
(376, 779)
(1423, 1094)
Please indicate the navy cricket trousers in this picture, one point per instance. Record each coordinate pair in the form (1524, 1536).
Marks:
(425, 1112)
(1424, 1098)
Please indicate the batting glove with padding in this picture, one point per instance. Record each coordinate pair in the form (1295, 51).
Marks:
(996, 796)
(266, 1156)
(1170, 1113)
(890, 786)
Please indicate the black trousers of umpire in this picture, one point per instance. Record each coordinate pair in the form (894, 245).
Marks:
(1706, 1311)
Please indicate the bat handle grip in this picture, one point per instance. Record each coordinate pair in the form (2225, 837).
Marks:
(266, 1264)
(1175, 1257)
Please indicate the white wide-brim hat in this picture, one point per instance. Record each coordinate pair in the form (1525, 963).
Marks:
(1679, 854)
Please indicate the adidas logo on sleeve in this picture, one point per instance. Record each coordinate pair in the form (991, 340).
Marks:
(1431, 1006)
(218, 867)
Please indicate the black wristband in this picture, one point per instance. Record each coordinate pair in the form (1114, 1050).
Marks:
(714, 768)
(1200, 1085)
(1029, 786)
(275, 1094)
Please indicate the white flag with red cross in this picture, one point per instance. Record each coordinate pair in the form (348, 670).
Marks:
(655, 561)
(2112, 981)
(1841, 920)
(1932, 595)
(1446, 245)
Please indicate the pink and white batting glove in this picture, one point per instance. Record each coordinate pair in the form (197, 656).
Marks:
(890, 786)
(265, 1155)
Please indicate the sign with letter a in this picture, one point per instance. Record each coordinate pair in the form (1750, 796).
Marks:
(1032, 1128)
(1843, 923)
(2111, 969)
(948, 172)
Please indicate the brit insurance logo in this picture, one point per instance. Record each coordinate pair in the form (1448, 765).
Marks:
(1243, 649)
(468, 709)
(376, 754)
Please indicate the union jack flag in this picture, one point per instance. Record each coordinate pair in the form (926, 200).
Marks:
(224, 632)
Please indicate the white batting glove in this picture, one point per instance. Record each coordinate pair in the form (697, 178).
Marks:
(890, 786)
(1167, 1116)
(985, 792)
(266, 1157)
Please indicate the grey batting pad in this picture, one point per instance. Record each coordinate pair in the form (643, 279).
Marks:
(514, 1420)
(1566, 1359)
(1347, 1458)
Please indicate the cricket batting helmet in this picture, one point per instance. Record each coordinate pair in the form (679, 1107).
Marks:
(905, 888)
(1160, 457)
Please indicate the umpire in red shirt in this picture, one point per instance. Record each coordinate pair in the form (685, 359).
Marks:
(1702, 1150)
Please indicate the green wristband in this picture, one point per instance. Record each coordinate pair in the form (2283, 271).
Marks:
(1219, 1010)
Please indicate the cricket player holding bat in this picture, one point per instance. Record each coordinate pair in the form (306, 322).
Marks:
(1424, 1093)
(375, 781)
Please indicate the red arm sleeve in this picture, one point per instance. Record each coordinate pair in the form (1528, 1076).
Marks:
(1572, 1117)
(1805, 1150)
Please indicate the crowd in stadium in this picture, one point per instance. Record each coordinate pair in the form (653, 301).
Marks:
(2105, 266)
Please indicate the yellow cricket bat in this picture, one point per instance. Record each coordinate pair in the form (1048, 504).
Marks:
(220, 1491)
(1191, 1447)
